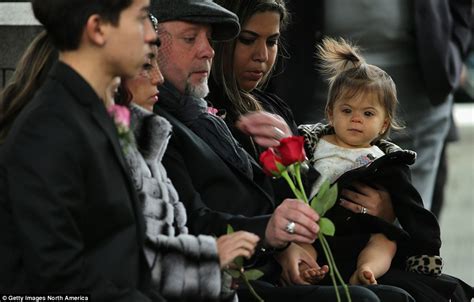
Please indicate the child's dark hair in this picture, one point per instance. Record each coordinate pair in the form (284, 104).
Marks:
(64, 20)
(349, 75)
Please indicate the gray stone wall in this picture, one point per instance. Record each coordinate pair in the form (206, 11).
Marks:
(17, 28)
(14, 41)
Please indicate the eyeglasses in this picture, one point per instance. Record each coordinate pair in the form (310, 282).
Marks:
(154, 22)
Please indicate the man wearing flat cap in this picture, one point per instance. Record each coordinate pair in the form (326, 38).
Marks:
(225, 25)
(186, 29)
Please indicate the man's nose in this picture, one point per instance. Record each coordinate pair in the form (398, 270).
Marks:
(206, 51)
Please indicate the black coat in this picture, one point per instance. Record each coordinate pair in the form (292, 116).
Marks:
(69, 217)
(393, 174)
(214, 192)
(420, 232)
(270, 103)
(419, 235)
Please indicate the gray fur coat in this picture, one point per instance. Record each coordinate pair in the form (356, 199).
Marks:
(183, 266)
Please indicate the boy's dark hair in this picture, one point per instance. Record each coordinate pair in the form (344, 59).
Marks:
(64, 20)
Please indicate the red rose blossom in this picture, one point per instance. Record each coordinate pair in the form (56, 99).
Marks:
(268, 159)
(291, 150)
(285, 161)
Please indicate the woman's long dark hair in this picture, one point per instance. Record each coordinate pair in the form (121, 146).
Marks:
(222, 74)
(30, 74)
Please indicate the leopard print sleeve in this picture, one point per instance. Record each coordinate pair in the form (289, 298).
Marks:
(425, 265)
(312, 133)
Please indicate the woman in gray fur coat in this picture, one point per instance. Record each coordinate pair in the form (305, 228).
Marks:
(184, 267)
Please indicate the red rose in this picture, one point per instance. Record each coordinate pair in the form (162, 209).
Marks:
(269, 160)
(291, 150)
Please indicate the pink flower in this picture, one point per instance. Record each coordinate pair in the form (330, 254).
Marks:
(121, 116)
(212, 110)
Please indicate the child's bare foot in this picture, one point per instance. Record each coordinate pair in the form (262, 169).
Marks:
(364, 276)
(313, 275)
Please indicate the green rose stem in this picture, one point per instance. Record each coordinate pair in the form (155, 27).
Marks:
(285, 175)
(300, 183)
(333, 271)
(247, 282)
(333, 268)
(239, 271)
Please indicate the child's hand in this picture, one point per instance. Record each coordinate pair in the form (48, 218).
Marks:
(312, 275)
(234, 245)
(363, 276)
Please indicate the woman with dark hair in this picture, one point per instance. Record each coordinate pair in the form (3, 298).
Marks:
(257, 119)
(30, 73)
(241, 68)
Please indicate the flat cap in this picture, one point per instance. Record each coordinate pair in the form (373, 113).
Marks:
(225, 24)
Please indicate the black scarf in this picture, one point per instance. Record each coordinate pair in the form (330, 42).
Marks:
(192, 112)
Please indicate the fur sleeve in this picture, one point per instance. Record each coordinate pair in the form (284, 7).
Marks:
(186, 267)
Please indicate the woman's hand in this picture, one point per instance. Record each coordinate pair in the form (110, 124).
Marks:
(377, 202)
(265, 128)
(291, 259)
(305, 228)
(237, 244)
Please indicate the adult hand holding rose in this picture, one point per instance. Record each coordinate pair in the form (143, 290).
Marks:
(304, 217)
(285, 161)
(291, 210)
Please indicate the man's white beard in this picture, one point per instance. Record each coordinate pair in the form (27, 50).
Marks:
(200, 90)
